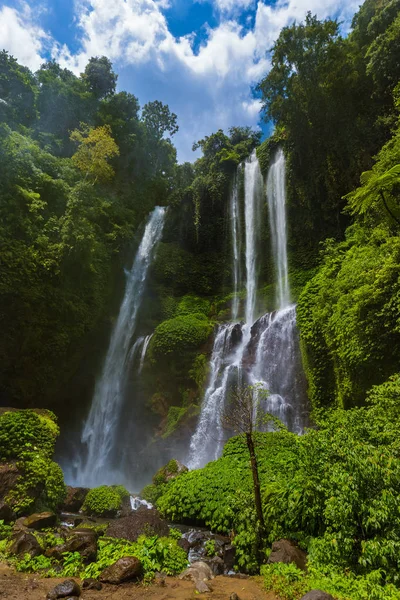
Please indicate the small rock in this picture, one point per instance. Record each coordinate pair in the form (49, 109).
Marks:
(40, 520)
(317, 595)
(6, 512)
(287, 552)
(67, 589)
(198, 571)
(216, 564)
(229, 557)
(234, 596)
(202, 587)
(184, 544)
(124, 569)
(91, 584)
(160, 579)
(23, 542)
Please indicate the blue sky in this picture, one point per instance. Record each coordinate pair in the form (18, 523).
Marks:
(199, 56)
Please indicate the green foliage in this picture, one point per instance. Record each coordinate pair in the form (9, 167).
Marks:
(24, 432)
(104, 501)
(155, 553)
(28, 438)
(190, 305)
(177, 335)
(174, 417)
(34, 565)
(220, 495)
(290, 583)
(5, 530)
(209, 547)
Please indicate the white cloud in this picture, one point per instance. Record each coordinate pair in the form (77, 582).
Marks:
(209, 88)
(21, 36)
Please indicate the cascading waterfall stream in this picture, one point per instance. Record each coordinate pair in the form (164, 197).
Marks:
(235, 231)
(265, 351)
(101, 428)
(229, 343)
(276, 196)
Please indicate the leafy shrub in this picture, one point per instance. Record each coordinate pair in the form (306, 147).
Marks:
(5, 530)
(104, 501)
(179, 334)
(191, 305)
(155, 554)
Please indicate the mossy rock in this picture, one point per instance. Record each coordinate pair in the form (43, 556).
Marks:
(180, 334)
(27, 440)
(24, 431)
(105, 501)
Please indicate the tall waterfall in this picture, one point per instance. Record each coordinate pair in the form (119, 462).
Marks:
(101, 428)
(236, 246)
(264, 350)
(276, 195)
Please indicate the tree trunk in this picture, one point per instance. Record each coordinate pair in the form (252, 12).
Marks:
(256, 482)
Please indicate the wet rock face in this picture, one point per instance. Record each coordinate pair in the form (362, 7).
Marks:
(125, 569)
(67, 589)
(23, 542)
(9, 474)
(74, 499)
(142, 521)
(40, 520)
(285, 551)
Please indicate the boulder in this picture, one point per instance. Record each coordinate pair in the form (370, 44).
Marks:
(317, 595)
(139, 522)
(23, 542)
(82, 540)
(40, 520)
(198, 571)
(66, 589)
(74, 499)
(124, 569)
(285, 551)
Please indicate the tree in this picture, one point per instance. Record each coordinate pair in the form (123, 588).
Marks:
(159, 120)
(18, 92)
(100, 77)
(96, 147)
(242, 416)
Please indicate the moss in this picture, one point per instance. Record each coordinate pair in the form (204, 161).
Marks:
(105, 501)
(190, 305)
(28, 438)
(25, 431)
(180, 334)
(175, 416)
(199, 371)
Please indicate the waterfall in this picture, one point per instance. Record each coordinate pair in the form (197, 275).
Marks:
(276, 195)
(227, 356)
(253, 198)
(146, 343)
(101, 428)
(235, 232)
(264, 351)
